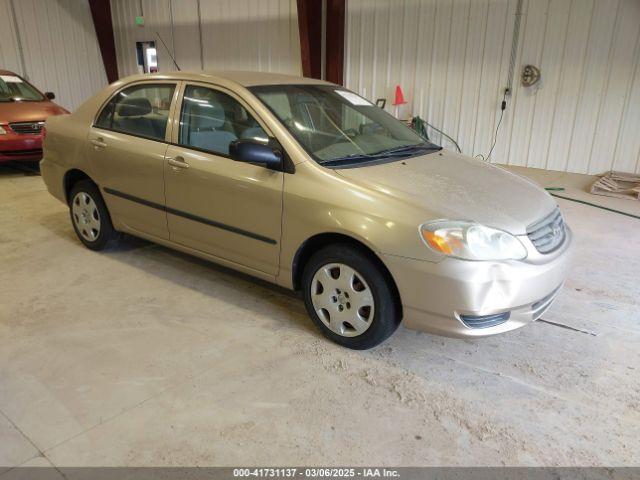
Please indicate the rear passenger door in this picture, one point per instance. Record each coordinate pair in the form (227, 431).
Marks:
(126, 149)
(217, 205)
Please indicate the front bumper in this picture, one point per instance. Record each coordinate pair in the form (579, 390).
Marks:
(436, 295)
(16, 147)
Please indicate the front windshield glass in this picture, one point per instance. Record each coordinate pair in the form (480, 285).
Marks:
(15, 89)
(337, 126)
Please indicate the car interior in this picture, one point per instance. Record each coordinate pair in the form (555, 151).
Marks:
(330, 130)
(13, 87)
(142, 110)
(136, 116)
(211, 120)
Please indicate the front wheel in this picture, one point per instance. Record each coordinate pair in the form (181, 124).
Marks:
(90, 217)
(349, 297)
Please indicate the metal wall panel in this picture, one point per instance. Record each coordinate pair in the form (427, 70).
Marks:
(9, 56)
(123, 13)
(59, 45)
(234, 34)
(156, 14)
(186, 34)
(451, 58)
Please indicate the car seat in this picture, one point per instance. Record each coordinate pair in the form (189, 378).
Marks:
(206, 122)
(131, 117)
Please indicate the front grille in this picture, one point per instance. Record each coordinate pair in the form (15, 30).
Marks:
(27, 127)
(22, 153)
(549, 233)
(485, 321)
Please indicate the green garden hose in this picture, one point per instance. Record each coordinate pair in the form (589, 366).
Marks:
(555, 189)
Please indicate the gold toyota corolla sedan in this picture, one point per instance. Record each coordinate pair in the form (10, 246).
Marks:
(307, 185)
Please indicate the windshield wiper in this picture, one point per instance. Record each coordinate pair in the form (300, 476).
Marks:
(404, 151)
(397, 149)
(407, 148)
(353, 156)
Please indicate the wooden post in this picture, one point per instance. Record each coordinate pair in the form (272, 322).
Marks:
(334, 62)
(310, 29)
(101, 14)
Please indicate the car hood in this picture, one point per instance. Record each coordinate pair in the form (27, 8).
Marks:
(453, 186)
(28, 111)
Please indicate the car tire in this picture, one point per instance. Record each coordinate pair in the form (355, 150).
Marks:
(349, 297)
(90, 217)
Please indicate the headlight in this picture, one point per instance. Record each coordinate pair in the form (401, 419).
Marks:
(471, 241)
(2, 131)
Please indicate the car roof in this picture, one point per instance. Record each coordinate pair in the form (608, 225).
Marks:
(7, 72)
(244, 78)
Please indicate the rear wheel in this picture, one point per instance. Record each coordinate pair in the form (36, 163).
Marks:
(349, 298)
(90, 217)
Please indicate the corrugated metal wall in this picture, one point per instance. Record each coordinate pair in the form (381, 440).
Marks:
(59, 45)
(235, 34)
(451, 58)
(9, 58)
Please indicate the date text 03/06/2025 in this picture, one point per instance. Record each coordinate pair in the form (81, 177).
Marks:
(315, 472)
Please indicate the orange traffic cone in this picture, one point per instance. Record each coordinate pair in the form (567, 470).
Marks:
(399, 97)
(398, 101)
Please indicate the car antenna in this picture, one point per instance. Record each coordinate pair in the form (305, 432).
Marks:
(167, 49)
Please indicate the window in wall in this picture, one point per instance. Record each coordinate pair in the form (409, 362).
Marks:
(141, 110)
(210, 120)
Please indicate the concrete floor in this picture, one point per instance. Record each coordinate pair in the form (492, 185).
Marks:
(144, 356)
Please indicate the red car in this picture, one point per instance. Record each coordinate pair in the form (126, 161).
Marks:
(23, 110)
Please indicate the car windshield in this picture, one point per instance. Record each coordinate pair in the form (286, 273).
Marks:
(337, 127)
(15, 89)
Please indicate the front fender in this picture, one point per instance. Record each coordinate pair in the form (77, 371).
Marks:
(317, 201)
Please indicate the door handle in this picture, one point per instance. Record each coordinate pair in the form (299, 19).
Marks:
(178, 162)
(98, 142)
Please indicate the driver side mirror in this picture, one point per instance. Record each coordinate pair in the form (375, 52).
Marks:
(251, 151)
(50, 95)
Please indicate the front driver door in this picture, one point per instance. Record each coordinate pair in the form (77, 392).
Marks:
(228, 209)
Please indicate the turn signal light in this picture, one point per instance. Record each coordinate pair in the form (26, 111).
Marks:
(438, 243)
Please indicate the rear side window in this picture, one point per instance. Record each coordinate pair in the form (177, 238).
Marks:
(141, 110)
(211, 120)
